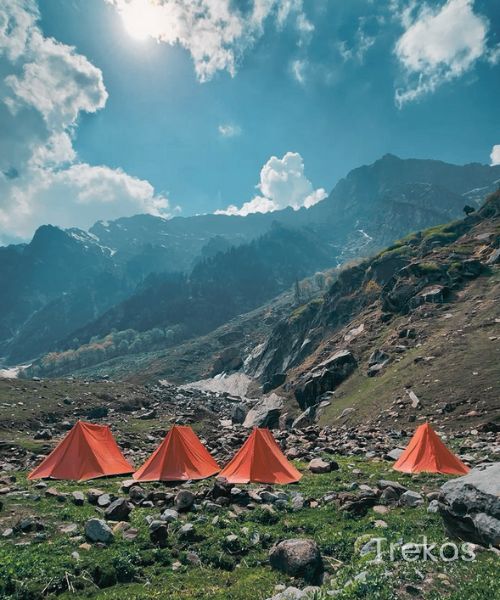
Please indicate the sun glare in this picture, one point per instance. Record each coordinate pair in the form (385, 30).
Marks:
(140, 18)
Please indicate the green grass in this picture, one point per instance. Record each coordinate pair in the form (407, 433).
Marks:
(138, 570)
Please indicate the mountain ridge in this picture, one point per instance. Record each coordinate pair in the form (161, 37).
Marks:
(368, 209)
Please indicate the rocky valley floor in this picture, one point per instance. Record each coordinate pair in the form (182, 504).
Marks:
(110, 538)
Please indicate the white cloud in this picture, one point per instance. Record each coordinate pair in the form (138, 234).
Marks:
(282, 184)
(439, 45)
(495, 155)
(217, 33)
(361, 44)
(229, 130)
(44, 86)
(298, 68)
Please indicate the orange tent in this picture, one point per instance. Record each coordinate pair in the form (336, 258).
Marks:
(181, 456)
(261, 460)
(87, 451)
(426, 452)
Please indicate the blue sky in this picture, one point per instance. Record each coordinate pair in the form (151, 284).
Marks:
(197, 124)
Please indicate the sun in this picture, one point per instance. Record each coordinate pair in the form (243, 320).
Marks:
(140, 18)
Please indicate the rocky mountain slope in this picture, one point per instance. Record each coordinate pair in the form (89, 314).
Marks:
(61, 284)
(413, 330)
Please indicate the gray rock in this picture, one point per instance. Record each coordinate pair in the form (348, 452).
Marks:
(268, 497)
(104, 500)
(433, 506)
(78, 498)
(394, 454)
(136, 494)
(238, 413)
(158, 533)
(294, 593)
(297, 501)
(470, 506)
(318, 465)
(305, 418)
(119, 510)
(324, 378)
(378, 357)
(385, 483)
(410, 498)
(184, 500)
(299, 558)
(97, 530)
(93, 495)
(187, 532)
(265, 414)
(169, 515)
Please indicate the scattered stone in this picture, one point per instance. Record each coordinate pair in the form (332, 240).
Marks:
(119, 510)
(299, 558)
(169, 515)
(238, 413)
(184, 500)
(29, 524)
(410, 498)
(93, 495)
(318, 465)
(104, 500)
(97, 530)
(78, 498)
(43, 434)
(187, 532)
(158, 533)
(394, 454)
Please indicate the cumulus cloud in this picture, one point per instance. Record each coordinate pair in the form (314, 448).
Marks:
(229, 130)
(282, 184)
(439, 45)
(495, 155)
(44, 86)
(216, 33)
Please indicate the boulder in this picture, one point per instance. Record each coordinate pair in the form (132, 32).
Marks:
(305, 418)
(470, 506)
(238, 413)
(184, 500)
(119, 510)
(410, 498)
(324, 378)
(158, 533)
(318, 465)
(378, 357)
(228, 360)
(265, 414)
(97, 530)
(169, 515)
(299, 558)
(78, 498)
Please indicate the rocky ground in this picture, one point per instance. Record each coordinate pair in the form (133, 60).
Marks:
(112, 538)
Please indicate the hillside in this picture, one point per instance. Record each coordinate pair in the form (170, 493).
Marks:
(421, 316)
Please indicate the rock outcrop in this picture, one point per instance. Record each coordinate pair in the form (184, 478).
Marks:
(324, 378)
(470, 506)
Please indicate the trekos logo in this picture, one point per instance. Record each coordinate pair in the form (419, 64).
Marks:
(424, 551)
